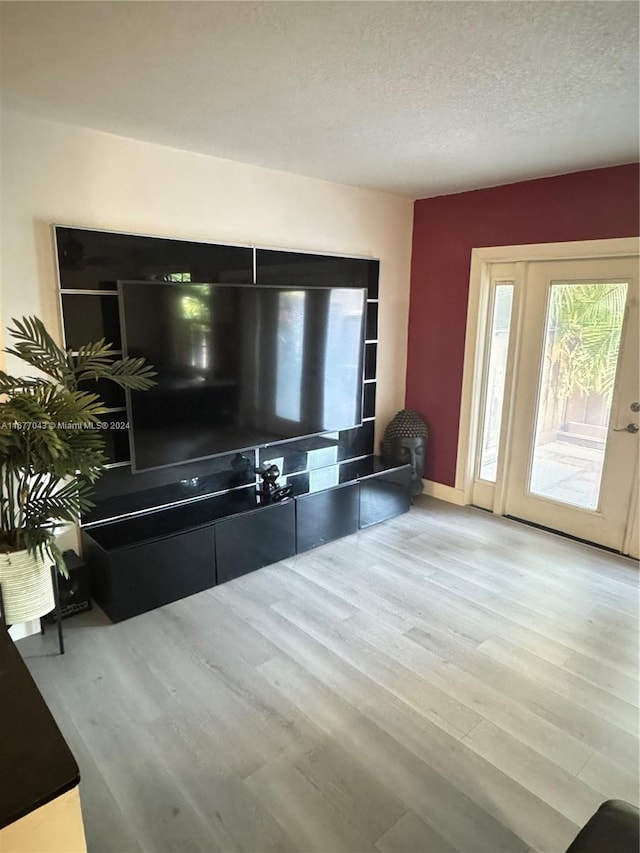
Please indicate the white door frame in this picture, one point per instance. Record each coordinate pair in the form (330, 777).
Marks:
(474, 351)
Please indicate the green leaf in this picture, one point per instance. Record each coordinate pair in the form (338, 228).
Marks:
(52, 448)
(132, 373)
(36, 346)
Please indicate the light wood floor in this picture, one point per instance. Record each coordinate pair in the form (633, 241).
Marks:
(445, 681)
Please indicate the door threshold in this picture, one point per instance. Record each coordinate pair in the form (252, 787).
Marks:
(569, 536)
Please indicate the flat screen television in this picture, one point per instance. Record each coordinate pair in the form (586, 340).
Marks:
(240, 366)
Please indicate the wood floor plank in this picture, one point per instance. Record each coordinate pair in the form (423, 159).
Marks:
(326, 603)
(432, 607)
(445, 681)
(556, 564)
(561, 790)
(401, 554)
(604, 614)
(449, 810)
(235, 818)
(420, 603)
(519, 719)
(360, 796)
(157, 809)
(613, 782)
(603, 676)
(514, 806)
(348, 587)
(620, 713)
(245, 710)
(328, 667)
(412, 835)
(306, 816)
(312, 698)
(594, 730)
(485, 604)
(224, 637)
(360, 559)
(384, 669)
(106, 827)
(490, 574)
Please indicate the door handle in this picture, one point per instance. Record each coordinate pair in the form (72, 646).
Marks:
(632, 428)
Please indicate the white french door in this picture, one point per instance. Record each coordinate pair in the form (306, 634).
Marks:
(558, 426)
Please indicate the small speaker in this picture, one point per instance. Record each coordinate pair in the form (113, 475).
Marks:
(74, 590)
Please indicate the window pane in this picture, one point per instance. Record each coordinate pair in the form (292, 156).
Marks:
(494, 394)
(581, 346)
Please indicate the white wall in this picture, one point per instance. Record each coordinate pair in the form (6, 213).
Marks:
(54, 173)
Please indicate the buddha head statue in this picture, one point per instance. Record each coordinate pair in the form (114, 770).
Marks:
(404, 441)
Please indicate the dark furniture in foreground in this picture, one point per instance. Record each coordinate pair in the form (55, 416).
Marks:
(614, 828)
(36, 765)
(143, 562)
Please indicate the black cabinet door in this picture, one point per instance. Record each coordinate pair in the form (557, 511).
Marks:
(384, 495)
(155, 573)
(325, 516)
(255, 539)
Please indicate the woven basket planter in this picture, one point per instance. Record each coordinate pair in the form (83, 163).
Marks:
(27, 587)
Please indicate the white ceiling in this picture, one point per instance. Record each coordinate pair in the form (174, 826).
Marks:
(418, 98)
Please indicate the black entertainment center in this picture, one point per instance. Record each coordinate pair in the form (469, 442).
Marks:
(143, 562)
(265, 358)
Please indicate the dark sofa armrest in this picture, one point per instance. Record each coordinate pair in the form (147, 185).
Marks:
(614, 828)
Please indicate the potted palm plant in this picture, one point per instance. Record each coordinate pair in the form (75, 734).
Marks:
(52, 449)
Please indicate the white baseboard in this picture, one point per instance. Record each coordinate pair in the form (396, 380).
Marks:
(444, 493)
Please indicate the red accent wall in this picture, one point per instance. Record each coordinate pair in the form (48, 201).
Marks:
(593, 205)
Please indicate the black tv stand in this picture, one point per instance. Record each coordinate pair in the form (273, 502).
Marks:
(142, 562)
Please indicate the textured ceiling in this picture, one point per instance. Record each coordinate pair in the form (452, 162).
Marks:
(418, 98)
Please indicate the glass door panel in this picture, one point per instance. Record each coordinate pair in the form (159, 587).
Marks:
(577, 376)
(573, 446)
(494, 385)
